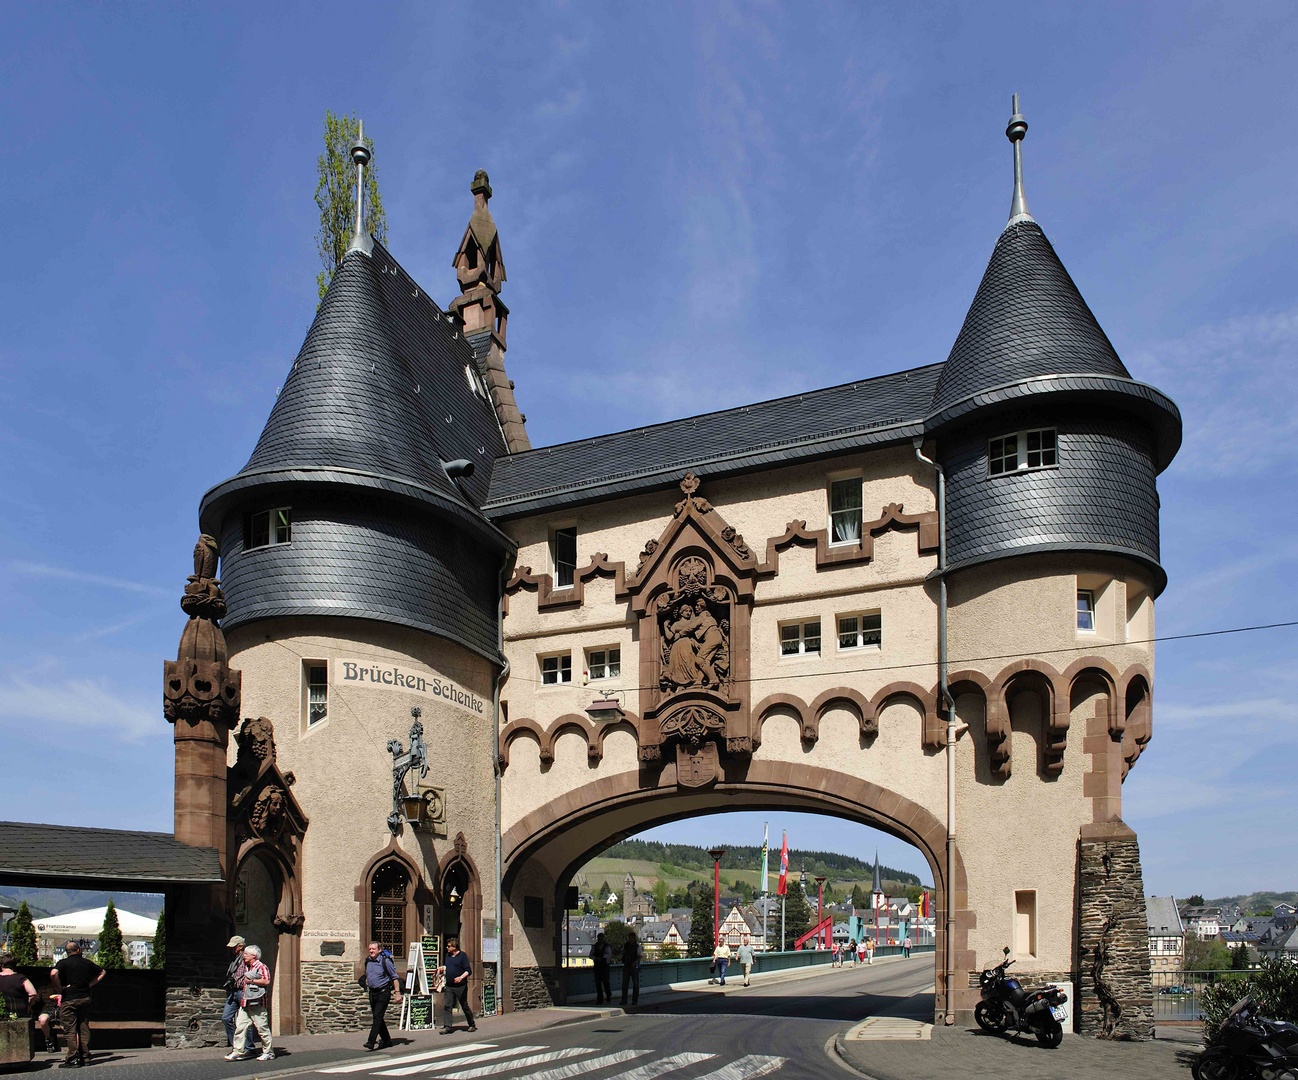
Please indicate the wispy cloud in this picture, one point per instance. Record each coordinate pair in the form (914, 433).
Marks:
(1236, 382)
(77, 703)
(565, 104)
(59, 573)
(94, 633)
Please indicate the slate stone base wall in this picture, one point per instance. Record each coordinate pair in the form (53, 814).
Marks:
(1115, 999)
(194, 1016)
(533, 988)
(331, 1000)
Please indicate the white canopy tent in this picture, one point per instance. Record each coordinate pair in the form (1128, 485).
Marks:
(87, 924)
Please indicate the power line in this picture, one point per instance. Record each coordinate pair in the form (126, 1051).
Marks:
(1089, 647)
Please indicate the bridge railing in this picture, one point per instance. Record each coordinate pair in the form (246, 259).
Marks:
(659, 974)
(1177, 993)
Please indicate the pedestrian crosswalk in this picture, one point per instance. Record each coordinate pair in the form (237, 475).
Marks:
(473, 1061)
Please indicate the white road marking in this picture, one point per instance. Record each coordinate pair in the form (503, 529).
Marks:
(535, 1059)
(457, 1062)
(746, 1068)
(371, 1063)
(579, 1067)
(661, 1066)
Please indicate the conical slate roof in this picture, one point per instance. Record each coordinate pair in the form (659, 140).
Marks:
(379, 391)
(1027, 320)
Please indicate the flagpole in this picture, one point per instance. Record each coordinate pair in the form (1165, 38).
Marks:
(766, 839)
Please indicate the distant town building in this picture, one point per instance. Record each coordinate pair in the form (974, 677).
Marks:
(1166, 933)
(1203, 922)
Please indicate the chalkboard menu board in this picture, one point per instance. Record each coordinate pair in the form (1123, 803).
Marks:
(421, 1011)
(489, 999)
(432, 950)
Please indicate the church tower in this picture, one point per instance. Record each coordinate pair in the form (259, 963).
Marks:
(362, 584)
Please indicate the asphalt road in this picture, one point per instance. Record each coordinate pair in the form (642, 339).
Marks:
(712, 1034)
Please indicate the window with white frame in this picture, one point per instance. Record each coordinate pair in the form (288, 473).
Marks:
(563, 552)
(1086, 610)
(859, 631)
(800, 638)
(845, 511)
(1022, 450)
(603, 663)
(317, 690)
(556, 669)
(268, 527)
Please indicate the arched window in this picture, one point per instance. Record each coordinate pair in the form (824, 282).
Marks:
(388, 907)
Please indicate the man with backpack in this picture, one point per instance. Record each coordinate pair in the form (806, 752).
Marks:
(381, 982)
(602, 954)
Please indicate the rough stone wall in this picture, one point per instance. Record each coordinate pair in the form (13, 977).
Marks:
(194, 1016)
(331, 1000)
(1115, 999)
(533, 988)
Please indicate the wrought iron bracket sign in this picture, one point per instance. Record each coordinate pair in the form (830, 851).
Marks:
(405, 761)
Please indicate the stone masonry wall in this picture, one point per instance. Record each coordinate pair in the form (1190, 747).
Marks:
(533, 988)
(195, 998)
(331, 1000)
(1115, 999)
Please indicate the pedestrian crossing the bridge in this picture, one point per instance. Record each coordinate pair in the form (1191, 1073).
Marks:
(472, 1061)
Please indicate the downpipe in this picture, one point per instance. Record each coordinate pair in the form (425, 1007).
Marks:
(946, 702)
(506, 569)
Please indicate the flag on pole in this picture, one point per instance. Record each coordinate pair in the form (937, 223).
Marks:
(925, 905)
(766, 837)
(783, 887)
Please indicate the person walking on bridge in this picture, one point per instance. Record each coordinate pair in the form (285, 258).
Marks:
(254, 983)
(631, 955)
(721, 956)
(457, 986)
(744, 958)
(384, 987)
(602, 955)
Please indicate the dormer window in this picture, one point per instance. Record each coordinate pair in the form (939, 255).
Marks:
(563, 554)
(1021, 451)
(267, 528)
(474, 378)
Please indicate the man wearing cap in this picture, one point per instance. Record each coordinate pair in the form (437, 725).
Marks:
(233, 995)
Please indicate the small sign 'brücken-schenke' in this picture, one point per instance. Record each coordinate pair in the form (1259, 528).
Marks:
(422, 683)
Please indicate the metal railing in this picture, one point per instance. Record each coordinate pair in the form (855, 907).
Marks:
(1177, 993)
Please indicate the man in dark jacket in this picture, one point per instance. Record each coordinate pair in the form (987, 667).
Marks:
(233, 995)
(458, 968)
(73, 976)
(631, 953)
(381, 982)
(602, 954)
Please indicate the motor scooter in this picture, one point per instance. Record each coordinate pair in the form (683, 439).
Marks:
(1007, 1004)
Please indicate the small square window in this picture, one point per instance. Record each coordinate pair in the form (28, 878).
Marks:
(845, 511)
(556, 669)
(1022, 450)
(858, 631)
(317, 691)
(1085, 610)
(604, 663)
(800, 639)
(564, 552)
(267, 528)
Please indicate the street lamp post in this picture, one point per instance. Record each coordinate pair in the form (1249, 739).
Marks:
(820, 908)
(716, 854)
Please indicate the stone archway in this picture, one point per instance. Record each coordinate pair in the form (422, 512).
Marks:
(544, 848)
(267, 913)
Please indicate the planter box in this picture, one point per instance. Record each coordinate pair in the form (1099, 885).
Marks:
(15, 1041)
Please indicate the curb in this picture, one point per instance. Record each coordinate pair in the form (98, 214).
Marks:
(834, 1051)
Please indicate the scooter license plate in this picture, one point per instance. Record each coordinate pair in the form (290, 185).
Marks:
(1057, 1011)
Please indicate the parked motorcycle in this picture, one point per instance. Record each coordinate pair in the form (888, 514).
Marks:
(1007, 1004)
(1250, 1045)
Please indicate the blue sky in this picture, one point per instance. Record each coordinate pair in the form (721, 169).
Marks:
(700, 205)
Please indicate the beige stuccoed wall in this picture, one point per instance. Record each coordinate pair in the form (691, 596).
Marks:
(1021, 833)
(342, 766)
(1017, 834)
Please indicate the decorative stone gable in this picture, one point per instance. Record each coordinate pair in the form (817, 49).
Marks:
(693, 595)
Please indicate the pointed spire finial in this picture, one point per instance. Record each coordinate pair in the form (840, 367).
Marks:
(1017, 128)
(361, 156)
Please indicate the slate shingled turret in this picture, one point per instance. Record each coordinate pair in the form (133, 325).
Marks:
(1032, 356)
(382, 393)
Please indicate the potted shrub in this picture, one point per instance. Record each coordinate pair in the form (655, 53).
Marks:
(15, 1036)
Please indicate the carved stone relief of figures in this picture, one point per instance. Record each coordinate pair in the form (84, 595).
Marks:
(267, 814)
(694, 628)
